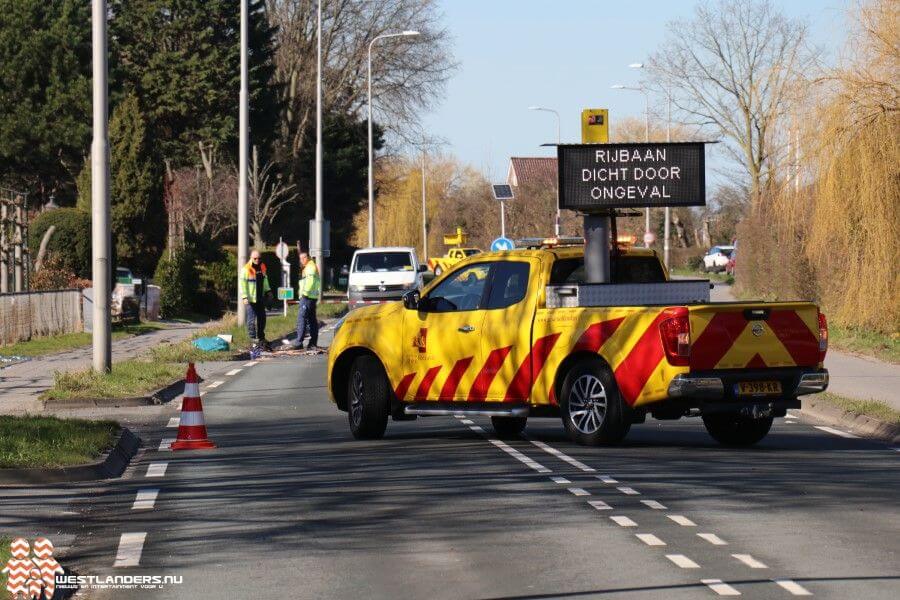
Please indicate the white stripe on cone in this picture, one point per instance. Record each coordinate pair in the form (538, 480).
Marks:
(192, 418)
(192, 390)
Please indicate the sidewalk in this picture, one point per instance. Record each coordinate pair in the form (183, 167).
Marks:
(858, 377)
(22, 383)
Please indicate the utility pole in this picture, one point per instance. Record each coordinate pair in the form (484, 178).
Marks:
(243, 153)
(319, 250)
(100, 232)
(667, 211)
(424, 215)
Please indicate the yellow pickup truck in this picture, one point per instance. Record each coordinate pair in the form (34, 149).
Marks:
(519, 334)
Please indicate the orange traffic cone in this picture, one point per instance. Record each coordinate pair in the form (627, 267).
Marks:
(191, 428)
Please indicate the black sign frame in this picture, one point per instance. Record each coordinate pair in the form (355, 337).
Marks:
(627, 190)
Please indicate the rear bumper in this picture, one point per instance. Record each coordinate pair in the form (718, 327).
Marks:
(722, 385)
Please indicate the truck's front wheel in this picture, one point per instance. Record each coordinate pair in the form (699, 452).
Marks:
(592, 409)
(737, 430)
(368, 396)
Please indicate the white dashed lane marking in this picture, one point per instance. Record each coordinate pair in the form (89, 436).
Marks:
(131, 545)
(599, 504)
(653, 504)
(650, 539)
(606, 479)
(173, 422)
(682, 561)
(250, 364)
(712, 539)
(165, 443)
(720, 587)
(145, 499)
(233, 372)
(833, 431)
(629, 491)
(520, 457)
(561, 480)
(467, 422)
(623, 521)
(793, 587)
(157, 469)
(683, 521)
(750, 561)
(579, 492)
(562, 456)
(215, 384)
(476, 428)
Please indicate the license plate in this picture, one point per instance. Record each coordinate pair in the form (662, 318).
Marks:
(759, 388)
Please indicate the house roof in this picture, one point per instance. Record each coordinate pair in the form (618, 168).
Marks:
(524, 170)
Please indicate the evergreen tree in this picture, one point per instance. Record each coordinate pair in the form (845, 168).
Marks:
(45, 84)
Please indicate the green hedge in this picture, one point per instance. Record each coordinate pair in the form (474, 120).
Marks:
(177, 278)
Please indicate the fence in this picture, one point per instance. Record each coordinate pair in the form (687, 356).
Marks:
(33, 314)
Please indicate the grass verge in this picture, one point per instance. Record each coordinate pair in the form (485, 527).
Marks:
(870, 343)
(52, 442)
(127, 379)
(5, 555)
(716, 277)
(70, 341)
(874, 409)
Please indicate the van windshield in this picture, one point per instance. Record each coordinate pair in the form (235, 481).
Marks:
(371, 262)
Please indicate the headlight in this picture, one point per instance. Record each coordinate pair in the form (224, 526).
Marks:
(356, 288)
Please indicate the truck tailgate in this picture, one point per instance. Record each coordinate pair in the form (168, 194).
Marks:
(754, 335)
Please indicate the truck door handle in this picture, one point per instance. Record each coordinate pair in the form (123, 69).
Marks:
(466, 329)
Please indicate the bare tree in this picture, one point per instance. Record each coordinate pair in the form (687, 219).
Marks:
(408, 75)
(268, 196)
(207, 194)
(733, 67)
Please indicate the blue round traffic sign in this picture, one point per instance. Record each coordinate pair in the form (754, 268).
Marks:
(501, 244)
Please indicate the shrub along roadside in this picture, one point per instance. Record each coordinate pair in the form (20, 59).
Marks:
(52, 442)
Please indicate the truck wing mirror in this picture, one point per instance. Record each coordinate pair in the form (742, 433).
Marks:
(422, 268)
(411, 299)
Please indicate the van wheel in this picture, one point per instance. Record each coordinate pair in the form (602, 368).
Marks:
(737, 430)
(508, 427)
(438, 271)
(369, 400)
(592, 410)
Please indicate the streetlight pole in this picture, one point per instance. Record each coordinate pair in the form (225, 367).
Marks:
(424, 214)
(243, 153)
(371, 175)
(556, 226)
(646, 139)
(667, 211)
(100, 232)
(320, 251)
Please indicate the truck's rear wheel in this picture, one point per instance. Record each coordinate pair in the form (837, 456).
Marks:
(368, 398)
(592, 410)
(737, 430)
(507, 427)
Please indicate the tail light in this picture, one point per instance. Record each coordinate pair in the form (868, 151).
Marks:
(823, 336)
(675, 329)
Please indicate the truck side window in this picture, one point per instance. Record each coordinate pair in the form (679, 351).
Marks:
(509, 282)
(463, 290)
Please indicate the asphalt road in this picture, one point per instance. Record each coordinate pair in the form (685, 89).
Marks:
(290, 506)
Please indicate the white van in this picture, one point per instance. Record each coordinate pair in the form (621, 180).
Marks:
(383, 275)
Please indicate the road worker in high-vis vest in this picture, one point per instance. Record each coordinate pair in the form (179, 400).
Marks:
(254, 286)
(310, 288)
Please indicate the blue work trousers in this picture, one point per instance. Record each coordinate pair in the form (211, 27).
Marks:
(307, 322)
(256, 321)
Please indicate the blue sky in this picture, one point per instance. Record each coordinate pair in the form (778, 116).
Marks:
(563, 54)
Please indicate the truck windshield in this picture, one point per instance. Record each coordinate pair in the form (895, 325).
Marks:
(471, 251)
(371, 262)
(629, 269)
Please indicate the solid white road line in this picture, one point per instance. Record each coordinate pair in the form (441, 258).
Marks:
(831, 430)
(130, 547)
(650, 539)
(173, 422)
(682, 561)
(750, 561)
(793, 587)
(712, 539)
(683, 521)
(250, 364)
(215, 384)
(606, 479)
(719, 587)
(599, 504)
(233, 372)
(562, 480)
(157, 469)
(579, 492)
(165, 443)
(629, 491)
(653, 504)
(145, 499)
(562, 456)
(623, 521)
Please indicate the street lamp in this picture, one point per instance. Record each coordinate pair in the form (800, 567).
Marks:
(550, 110)
(371, 185)
(243, 156)
(100, 231)
(619, 86)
